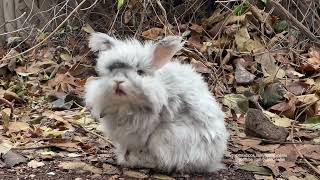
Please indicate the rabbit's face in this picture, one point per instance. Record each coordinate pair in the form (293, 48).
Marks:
(128, 66)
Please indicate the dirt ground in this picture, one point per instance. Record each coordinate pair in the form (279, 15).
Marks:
(52, 171)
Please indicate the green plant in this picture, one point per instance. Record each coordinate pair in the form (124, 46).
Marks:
(120, 3)
(241, 8)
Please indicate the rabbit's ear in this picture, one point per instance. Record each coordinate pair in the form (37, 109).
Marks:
(165, 49)
(100, 42)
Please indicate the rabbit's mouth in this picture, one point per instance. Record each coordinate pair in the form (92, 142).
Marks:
(120, 92)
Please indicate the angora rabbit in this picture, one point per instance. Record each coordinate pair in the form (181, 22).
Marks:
(160, 114)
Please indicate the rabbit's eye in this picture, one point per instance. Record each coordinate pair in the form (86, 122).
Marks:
(118, 65)
(140, 72)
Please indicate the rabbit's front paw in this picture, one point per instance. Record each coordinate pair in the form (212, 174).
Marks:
(136, 159)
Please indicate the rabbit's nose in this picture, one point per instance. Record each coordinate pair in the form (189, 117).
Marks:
(118, 82)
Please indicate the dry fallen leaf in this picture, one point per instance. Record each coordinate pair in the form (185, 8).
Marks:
(109, 169)
(18, 126)
(277, 120)
(200, 67)
(87, 28)
(245, 43)
(197, 28)
(311, 151)
(135, 174)
(153, 33)
(308, 99)
(314, 59)
(80, 166)
(162, 177)
(297, 88)
(269, 67)
(65, 83)
(195, 41)
(35, 164)
(288, 152)
(237, 102)
(5, 146)
(287, 109)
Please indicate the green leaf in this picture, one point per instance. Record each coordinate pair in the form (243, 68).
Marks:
(280, 26)
(238, 102)
(120, 3)
(265, 2)
(242, 8)
(313, 120)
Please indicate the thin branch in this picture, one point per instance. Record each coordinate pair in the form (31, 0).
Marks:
(13, 20)
(51, 34)
(284, 12)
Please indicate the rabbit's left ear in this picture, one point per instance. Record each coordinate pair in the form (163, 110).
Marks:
(165, 49)
(100, 42)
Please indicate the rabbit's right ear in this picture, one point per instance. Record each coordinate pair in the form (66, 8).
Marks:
(165, 49)
(100, 42)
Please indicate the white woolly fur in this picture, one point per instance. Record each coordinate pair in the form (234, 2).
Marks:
(167, 119)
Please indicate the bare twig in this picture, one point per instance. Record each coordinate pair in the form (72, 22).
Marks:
(10, 21)
(91, 132)
(300, 154)
(284, 12)
(51, 34)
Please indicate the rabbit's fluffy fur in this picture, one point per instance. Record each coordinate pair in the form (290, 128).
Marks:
(164, 116)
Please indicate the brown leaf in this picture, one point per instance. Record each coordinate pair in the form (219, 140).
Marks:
(297, 88)
(134, 174)
(162, 177)
(5, 146)
(80, 166)
(64, 83)
(288, 151)
(18, 126)
(269, 66)
(266, 148)
(11, 96)
(311, 151)
(248, 143)
(196, 28)
(109, 169)
(284, 108)
(308, 99)
(245, 43)
(200, 67)
(153, 33)
(234, 19)
(35, 164)
(314, 60)
(195, 41)
(216, 29)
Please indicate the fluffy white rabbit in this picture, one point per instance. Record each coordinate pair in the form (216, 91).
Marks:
(159, 113)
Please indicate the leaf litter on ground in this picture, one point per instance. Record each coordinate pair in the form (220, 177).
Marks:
(237, 53)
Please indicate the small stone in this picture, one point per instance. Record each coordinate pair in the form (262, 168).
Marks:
(51, 173)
